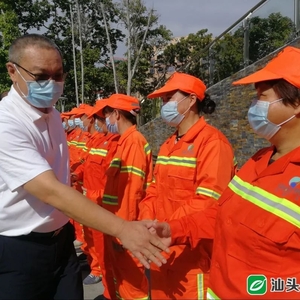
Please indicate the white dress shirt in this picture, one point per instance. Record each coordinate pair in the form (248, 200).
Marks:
(31, 142)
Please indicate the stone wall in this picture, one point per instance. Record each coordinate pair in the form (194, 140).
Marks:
(230, 116)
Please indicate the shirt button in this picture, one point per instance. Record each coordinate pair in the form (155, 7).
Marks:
(217, 265)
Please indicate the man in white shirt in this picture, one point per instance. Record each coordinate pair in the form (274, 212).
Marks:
(37, 256)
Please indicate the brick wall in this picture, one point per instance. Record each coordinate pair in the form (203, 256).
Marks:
(230, 116)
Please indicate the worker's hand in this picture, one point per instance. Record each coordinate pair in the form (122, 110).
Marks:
(145, 246)
(162, 230)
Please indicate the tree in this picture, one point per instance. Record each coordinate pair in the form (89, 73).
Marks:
(269, 34)
(142, 30)
(53, 19)
(188, 54)
(265, 36)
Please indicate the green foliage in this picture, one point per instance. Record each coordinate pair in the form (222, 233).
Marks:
(160, 56)
(269, 34)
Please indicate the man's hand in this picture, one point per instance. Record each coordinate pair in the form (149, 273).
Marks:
(145, 246)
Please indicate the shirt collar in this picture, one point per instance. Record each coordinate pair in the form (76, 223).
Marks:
(194, 130)
(124, 136)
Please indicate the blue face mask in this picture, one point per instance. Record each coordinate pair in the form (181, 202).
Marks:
(77, 121)
(113, 128)
(43, 94)
(169, 113)
(65, 125)
(99, 129)
(71, 123)
(258, 119)
(82, 127)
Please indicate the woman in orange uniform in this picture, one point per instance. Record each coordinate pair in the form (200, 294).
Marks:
(101, 148)
(257, 236)
(193, 168)
(128, 175)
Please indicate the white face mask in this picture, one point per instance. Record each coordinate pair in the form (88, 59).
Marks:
(258, 119)
(97, 127)
(170, 114)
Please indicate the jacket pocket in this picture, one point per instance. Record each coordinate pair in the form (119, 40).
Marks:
(181, 186)
(263, 240)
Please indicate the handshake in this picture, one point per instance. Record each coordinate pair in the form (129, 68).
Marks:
(145, 240)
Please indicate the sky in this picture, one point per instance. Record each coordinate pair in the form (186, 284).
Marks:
(183, 17)
(189, 16)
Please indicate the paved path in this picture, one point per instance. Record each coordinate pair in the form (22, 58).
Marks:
(92, 291)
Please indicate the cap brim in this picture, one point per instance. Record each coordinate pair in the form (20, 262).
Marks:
(72, 112)
(162, 91)
(261, 75)
(99, 108)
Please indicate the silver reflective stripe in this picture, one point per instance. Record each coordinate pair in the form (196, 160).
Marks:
(280, 207)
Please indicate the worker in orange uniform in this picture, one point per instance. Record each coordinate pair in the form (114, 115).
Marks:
(193, 168)
(64, 120)
(72, 130)
(257, 236)
(92, 173)
(77, 157)
(128, 175)
(77, 141)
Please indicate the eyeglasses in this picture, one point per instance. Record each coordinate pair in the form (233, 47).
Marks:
(42, 77)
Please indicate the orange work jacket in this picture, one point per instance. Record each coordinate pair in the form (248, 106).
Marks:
(190, 175)
(128, 175)
(257, 235)
(80, 151)
(101, 148)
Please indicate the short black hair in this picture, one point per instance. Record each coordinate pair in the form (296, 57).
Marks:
(18, 46)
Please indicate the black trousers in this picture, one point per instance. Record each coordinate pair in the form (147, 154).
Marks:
(40, 266)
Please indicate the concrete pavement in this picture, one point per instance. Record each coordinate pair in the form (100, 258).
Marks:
(92, 291)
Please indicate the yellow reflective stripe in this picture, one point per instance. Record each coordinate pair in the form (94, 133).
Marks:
(85, 149)
(207, 192)
(110, 200)
(200, 286)
(115, 163)
(147, 149)
(81, 145)
(177, 161)
(133, 170)
(211, 295)
(101, 152)
(281, 207)
(147, 183)
(73, 143)
(234, 161)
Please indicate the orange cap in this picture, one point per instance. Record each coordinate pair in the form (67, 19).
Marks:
(83, 109)
(64, 116)
(183, 82)
(72, 112)
(284, 66)
(124, 102)
(98, 107)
